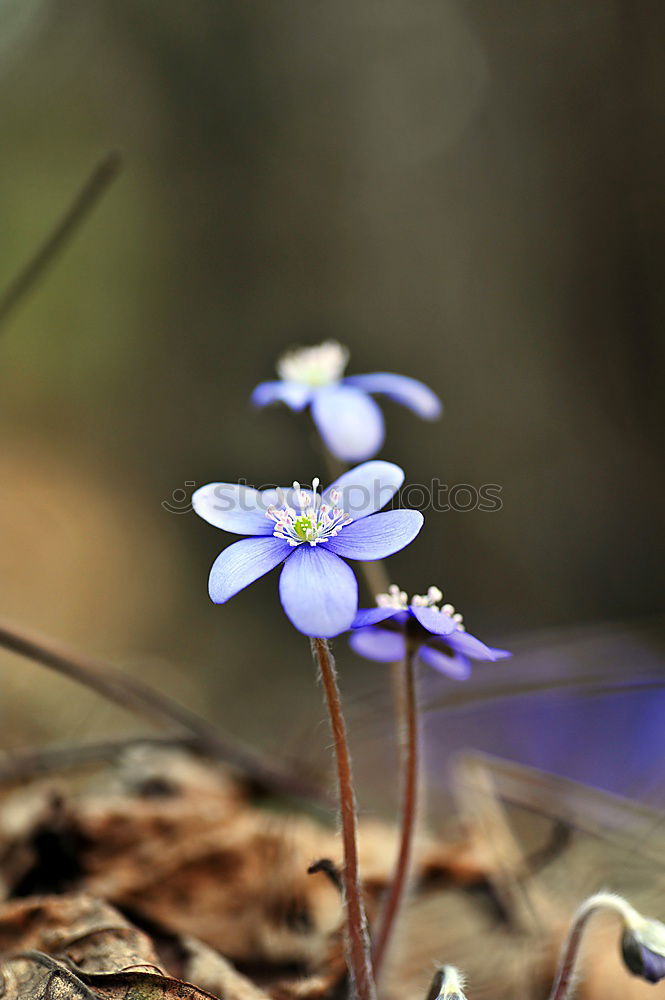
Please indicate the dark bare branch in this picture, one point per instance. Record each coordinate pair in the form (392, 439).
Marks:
(74, 216)
(133, 695)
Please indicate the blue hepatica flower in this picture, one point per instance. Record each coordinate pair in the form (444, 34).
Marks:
(347, 418)
(311, 534)
(442, 642)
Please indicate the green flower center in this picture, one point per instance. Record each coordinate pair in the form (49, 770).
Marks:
(309, 520)
(304, 527)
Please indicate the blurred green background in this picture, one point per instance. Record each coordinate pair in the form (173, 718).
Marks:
(465, 191)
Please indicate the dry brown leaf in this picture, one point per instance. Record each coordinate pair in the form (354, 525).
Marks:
(142, 986)
(85, 930)
(205, 966)
(36, 976)
(175, 843)
(210, 880)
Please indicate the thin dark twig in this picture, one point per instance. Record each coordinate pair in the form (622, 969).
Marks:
(330, 870)
(132, 694)
(94, 187)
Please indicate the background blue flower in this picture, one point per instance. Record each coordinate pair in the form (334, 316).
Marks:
(309, 533)
(443, 643)
(347, 418)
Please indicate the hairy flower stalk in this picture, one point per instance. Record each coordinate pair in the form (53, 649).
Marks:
(357, 936)
(643, 942)
(447, 984)
(408, 733)
(406, 632)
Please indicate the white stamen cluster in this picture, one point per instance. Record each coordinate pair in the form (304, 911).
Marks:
(313, 522)
(429, 600)
(398, 599)
(395, 598)
(314, 366)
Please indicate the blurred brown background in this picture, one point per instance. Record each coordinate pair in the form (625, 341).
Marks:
(466, 191)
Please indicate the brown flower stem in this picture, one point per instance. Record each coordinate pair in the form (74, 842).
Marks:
(409, 746)
(376, 581)
(563, 982)
(564, 975)
(359, 958)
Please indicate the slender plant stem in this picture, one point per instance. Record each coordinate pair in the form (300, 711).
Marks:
(359, 957)
(376, 582)
(402, 683)
(563, 981)
(136, 696)
(74, 215)
(409, 747)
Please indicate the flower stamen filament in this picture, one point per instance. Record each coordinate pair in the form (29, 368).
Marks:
(313, 521)
(398, 599)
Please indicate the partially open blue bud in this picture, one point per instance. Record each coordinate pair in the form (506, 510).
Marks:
(642, 942)
(643, 950)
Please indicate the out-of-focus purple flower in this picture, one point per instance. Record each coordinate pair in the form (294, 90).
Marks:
(311, 534)
(347, 418)
(442, 642)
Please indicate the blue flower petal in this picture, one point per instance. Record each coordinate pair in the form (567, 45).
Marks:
(407, 391)
(437, 622)
(294, 394)
(377, 644)
(367, 488)
(370, 616)
(468, 645)
(235, 508)
(243, 563)
(378, 535)
(318, 591)
(349, 421)
(457, 667)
